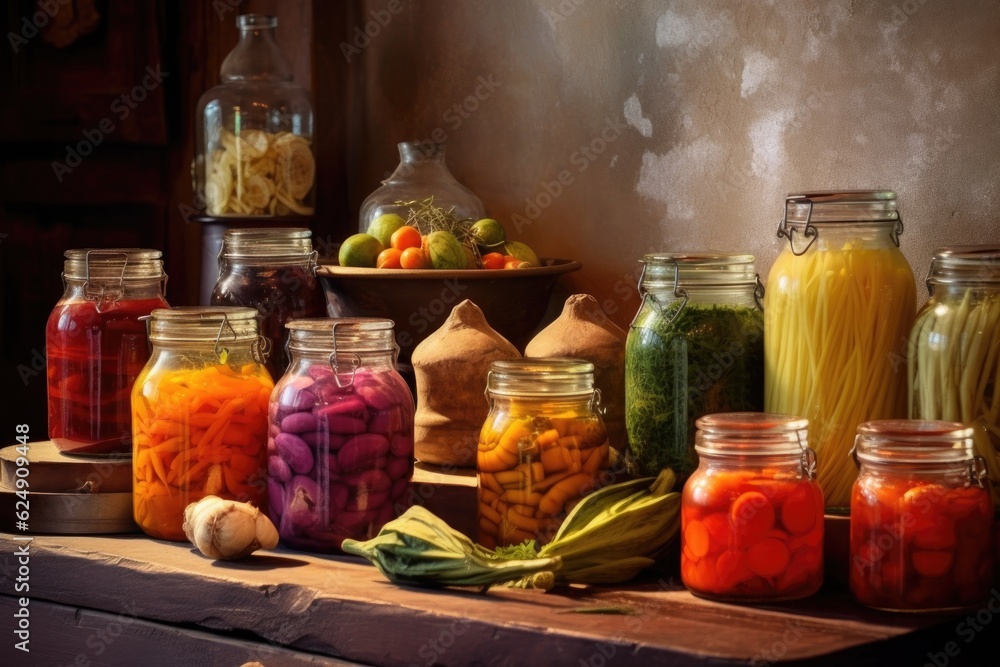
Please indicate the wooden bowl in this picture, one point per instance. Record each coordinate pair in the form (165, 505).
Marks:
(514, 301)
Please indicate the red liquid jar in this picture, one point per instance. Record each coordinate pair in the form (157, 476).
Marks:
(921, 518)
(752, 513)
(96, 345)
(274, 271)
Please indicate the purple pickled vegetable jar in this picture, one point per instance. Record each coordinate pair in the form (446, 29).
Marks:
(340, 442)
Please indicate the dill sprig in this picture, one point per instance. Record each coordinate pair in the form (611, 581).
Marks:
(428, 217)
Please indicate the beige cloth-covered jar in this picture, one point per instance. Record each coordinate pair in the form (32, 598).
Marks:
(450, 367)
(583, 331)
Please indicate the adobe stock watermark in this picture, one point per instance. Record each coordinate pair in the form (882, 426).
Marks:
(967, 629)
(454, 116)
(33, 24)
(223, 7)
(563, 11)
(122, 107)
(902, 12)
(363, 35)
(581, 159)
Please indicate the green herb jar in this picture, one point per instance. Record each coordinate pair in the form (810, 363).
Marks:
(695, 347)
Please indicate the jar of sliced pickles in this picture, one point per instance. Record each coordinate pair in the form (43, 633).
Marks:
(341, 434)
(952, 361)
(752, 513)
(199, 415)
(95, 346)
(921, 518)
(839, 306)
(543, 448)
(253, 132)
(695, 347)
(274, 271)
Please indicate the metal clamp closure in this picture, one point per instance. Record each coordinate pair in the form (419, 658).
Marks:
(334, 360)
(260, 349)
(758, 292)
(978, 472)
(897, 230)
(680, 293)
(105, 292)
(808, 462)
(810, 232)
(222, 355)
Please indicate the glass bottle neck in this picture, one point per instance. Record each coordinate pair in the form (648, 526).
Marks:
(256, 57)
(421, 163)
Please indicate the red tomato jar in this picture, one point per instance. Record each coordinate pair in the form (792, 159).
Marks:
(752, 513)
(921, 518)
(96, 345)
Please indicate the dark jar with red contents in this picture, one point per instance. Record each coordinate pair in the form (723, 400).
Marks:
(96, 345)
(752, 513)
(921, 518)
(274, 271)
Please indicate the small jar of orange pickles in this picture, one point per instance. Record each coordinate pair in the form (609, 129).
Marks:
(752, 513)
(921, 518)
(542, 448)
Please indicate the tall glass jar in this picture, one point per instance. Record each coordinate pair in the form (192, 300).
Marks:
(253, 132)
(199, 415)
(839, 307)
(421, 174)
(695, 347)
(274, 271)
(921, 518)
(341, 434)
(543, 448)
(954, 374)
(95, 346)
(752, 513)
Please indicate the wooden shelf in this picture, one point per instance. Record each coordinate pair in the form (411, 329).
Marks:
(170, 605)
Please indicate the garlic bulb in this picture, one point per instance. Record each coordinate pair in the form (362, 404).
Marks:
(226, 529)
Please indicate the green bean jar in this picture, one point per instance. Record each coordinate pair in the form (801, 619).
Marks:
(695, 347)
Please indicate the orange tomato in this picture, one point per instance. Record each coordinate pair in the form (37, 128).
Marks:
(405, 237)
(414, 258)
(517, 264)
(493, 260)
(388, 259)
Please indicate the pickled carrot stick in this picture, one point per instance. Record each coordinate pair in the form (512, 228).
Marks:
(571, 487)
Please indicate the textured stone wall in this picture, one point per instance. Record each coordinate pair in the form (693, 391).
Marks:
(600, 130)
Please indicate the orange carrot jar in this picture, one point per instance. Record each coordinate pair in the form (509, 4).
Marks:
(752, 513)
(921, 518)
(199, 415)
(543, 448)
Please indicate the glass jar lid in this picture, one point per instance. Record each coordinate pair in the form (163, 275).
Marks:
(914, 441)
(543, 377)
(752, 434)
(330, 335)
(965, 265)
(272, 245)
(113, 264)
(804, 211)
(708, 269)
(199, 324)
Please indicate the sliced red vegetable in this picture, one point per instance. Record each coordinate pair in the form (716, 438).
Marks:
(752, 515)
(800, 512)
(767, 558)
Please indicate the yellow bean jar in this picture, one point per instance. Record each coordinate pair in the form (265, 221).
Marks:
(543, 448)
(840, 302)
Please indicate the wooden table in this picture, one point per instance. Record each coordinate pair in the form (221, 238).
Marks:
(130, 600)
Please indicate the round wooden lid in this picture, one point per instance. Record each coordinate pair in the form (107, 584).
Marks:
(51, 471)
